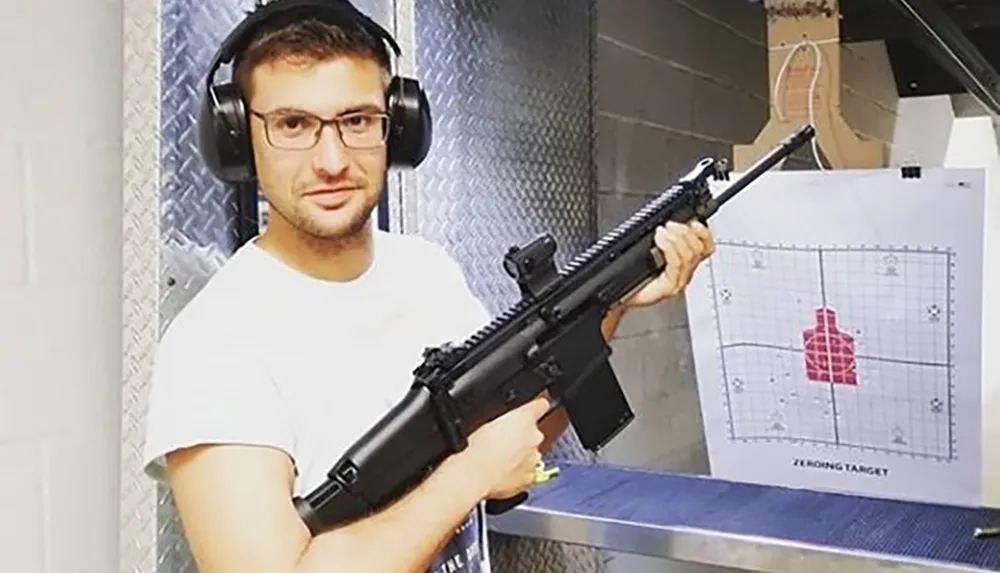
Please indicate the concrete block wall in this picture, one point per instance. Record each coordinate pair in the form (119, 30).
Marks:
(675, 80)
(60, 286)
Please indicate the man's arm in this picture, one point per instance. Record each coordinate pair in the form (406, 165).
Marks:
(237, 513)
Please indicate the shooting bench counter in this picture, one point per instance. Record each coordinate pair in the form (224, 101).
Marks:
(694, 519)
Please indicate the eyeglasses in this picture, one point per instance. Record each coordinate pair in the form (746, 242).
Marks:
(300, 130)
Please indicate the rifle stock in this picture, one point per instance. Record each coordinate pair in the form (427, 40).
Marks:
(550, 340)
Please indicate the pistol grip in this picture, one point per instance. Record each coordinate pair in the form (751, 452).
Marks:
(498, 506)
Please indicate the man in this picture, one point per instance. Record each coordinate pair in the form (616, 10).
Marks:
(309, 333)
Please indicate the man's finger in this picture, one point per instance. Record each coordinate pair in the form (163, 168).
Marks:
(665, 244)
(539, 406)
(694, 245)
(693, 254)
(706, 237)
(679, 238)
(686, 255)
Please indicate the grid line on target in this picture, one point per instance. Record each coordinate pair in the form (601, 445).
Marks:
(845, 346)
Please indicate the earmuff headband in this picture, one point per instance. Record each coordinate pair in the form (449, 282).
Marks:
(334, 10)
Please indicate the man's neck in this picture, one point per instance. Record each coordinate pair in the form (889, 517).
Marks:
(336, 260)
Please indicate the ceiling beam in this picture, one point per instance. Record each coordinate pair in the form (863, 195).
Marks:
(974, 15)
(938, 35)
(864, 20)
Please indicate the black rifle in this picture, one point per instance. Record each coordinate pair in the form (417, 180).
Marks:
(551, 339)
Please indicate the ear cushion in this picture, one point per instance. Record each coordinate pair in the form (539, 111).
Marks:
(411, 130)
(223, 134)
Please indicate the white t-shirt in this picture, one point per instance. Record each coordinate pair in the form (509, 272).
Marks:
(265, 355)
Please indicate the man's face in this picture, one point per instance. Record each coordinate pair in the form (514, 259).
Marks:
(327, 191)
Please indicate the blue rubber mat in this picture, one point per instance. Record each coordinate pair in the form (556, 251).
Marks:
(914, 530)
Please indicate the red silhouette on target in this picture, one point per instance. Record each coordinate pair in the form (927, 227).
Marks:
(829, 353)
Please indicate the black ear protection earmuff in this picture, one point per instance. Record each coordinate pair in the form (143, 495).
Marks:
(223, 131)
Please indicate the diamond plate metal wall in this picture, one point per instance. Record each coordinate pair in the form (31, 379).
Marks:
(510, 87)
(509, 84)
(197, 227)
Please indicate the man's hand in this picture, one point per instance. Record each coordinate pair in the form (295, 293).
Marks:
(683, 247)
(503, 453)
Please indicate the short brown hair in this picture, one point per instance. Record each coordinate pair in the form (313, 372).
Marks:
(309, 39)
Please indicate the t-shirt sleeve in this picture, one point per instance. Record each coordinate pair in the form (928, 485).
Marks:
(210, 390)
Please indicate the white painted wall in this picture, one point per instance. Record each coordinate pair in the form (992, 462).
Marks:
(922, 130)
(973, 143)
(60, 277)
(957, 132)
